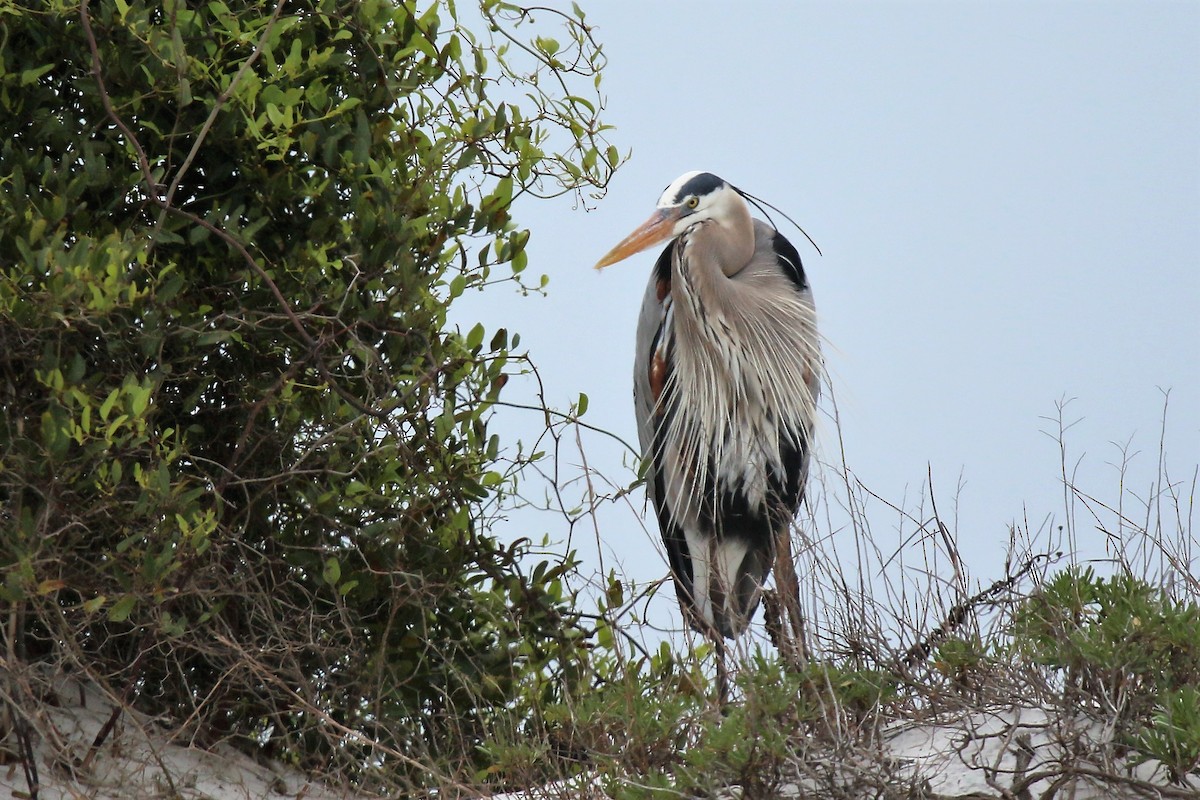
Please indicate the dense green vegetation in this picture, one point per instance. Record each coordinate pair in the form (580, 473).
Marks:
(1113, 662)
(242, 454)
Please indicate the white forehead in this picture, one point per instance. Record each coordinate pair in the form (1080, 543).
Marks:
(669, 195)
(694, 184)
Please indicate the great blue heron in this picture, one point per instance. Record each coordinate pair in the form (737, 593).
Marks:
(726, 378)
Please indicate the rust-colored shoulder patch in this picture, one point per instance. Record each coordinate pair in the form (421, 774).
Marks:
(658, 375)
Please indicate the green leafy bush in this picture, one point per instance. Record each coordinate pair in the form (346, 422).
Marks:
(1126, 648)
(649, 725)
(242, 454)
(1173, 735)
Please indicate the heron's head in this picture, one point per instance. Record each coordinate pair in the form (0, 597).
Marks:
(691, 199)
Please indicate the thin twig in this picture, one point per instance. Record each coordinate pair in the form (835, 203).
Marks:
(143, 162)
(28, 761)
(222, 99)
(958, 612)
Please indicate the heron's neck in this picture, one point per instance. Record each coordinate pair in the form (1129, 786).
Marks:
(729, 240)
(705, 259)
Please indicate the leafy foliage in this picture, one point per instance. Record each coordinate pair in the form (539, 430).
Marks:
(1173, 735)
(1126, 648)
(241, 454)
(651, 715)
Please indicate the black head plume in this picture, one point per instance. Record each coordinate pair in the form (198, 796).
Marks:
(759, 203)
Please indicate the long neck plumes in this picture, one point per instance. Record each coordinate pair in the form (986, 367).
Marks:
(746, 359)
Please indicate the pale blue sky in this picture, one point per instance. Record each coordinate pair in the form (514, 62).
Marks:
(1008, 199)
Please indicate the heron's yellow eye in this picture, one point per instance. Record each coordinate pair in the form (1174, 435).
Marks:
(692, 202)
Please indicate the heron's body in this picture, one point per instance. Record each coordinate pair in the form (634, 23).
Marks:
(726, 377)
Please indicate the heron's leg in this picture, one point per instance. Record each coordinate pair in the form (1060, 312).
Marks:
(792, 622)
(722, 671)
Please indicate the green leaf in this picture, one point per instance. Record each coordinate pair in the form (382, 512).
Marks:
(94, 604)
(139, 399)
(108, 404)
(499, 340)
(332, 572)
(120, 610)
(114, 426)
(31, 76)
(475, 337)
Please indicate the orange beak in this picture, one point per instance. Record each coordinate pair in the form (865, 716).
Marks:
(659, 228)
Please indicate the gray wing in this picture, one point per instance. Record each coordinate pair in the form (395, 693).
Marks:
(650, 330)
(652, 365)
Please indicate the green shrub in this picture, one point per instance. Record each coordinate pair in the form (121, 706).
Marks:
(243, 456)
(1122, 647)
(650, 726)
